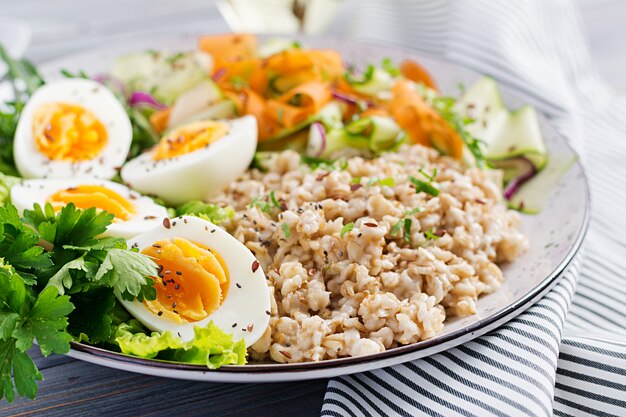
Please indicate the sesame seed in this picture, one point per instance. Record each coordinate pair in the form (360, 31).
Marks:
(177, 287)
(255, 265)
(156, 246)
(166, 223)
(160, 313)
(173, 223)
(370, 224)
(238, 285)
(213, 231)
(250, 327)
(234, 325)
(174, 305)
(267, 312)
(178, 273)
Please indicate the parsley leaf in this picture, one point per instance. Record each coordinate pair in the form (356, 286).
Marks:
(127, 272)
(346, 228)
(422, 186)
(24, 317)
(70, 226)
(92, 319)
(18, 244)
(46, 322)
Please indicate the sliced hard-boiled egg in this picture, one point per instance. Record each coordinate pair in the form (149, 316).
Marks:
(194, 161)
(134, 213)
(205, 275)
(70, 128)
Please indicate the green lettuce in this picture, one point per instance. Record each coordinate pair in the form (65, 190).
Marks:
(6, 183)
(210, 346)
(207, 211)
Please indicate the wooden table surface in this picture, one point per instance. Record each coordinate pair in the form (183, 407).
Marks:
(71, 387)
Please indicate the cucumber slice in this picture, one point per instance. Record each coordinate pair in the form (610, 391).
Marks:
(224, 109)
(330, 115)
(506, 133)
(385, 133)
(165, 75)
(276, 45)
(194, 101)
(533, 196)
(378, 85)
(263, 161)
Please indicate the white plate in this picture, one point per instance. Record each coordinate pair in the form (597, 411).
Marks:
(555, 235)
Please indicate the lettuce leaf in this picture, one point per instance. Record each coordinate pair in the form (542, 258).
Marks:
(6, 183)
(210, 346)
(207, 211)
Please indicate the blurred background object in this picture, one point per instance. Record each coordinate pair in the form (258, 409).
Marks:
(279, 16)
(15, 35)
(72, 25)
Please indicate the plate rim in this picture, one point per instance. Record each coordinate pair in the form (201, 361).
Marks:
(446, 341)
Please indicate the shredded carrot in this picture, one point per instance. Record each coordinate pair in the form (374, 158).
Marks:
(229, 47)
(415, 72)
(285, 90)
(160, 119)
(299, 103)
(423, 124)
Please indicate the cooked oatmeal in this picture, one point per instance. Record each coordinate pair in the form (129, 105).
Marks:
(358, 261)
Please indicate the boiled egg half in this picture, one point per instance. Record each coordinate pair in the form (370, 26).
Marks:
(70, 128)
(194, 161)
(204, 275)
(134, 213)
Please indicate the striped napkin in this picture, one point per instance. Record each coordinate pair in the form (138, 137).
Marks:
(566, 355)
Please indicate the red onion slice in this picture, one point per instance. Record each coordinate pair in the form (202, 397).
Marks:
(317, 140)
(112, 81)
(142, 98)
(525, 171)
(351, 99)
(218, 74)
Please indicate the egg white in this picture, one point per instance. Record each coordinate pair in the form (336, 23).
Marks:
(148, 214)
(199, 174)
(95, 97)
(244, 311)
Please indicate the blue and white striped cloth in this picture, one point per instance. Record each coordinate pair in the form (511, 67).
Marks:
(566, 355)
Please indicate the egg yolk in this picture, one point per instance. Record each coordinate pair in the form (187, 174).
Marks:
(189, 138)
(87, 196)
(192, 281)
(68, 132)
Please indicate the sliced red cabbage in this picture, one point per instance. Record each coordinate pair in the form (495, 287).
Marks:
(138, 98)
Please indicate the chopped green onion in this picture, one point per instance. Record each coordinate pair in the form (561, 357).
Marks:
(347, 228)
(396, 228)
(274, 200)
(407, 230)
(423, 186)
(429, 177)
(286, 230)
(389, 182)
(430, 235)
(414, 211)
